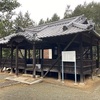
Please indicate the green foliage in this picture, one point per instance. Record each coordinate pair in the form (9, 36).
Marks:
(23, 20)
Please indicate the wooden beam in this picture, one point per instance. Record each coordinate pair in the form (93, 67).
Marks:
(34, 60)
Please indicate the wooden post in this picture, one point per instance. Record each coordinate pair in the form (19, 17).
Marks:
(11, 59)
(81, 61)
(41, 53)
(0, 55)
(17, 60)
(25, 58)
(34, 60)
(98, 54)
(59, 63)
(91, 56)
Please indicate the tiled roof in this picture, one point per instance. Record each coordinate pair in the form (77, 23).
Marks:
(71, 25)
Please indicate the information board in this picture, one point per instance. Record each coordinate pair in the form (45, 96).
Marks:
(68, 56)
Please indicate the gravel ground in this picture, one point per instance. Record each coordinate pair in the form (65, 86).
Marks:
(46, 91)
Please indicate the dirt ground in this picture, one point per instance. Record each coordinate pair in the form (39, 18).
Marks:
(50, 89)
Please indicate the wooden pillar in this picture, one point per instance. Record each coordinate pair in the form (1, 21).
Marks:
(34, 60)
(0, 55)
(16, 60)
(11, 58)
(25, 59)
(81, 61)
(91, 57)
(98, 54)
(41, 56)
(59, 63)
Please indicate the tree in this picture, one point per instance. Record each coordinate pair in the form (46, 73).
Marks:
(41, 22)
(55, 17)
(91, 11)
(47, 21)
(6, 22)
(6, 13)
(68, 12)
(8, 5)
(23, 20)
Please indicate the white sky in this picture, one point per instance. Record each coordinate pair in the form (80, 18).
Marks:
(46, 8)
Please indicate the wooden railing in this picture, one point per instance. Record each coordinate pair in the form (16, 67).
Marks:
(46, 63)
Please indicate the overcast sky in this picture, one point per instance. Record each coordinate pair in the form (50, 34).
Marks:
(46, 8)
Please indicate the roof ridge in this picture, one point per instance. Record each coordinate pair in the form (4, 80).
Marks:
(55, 22)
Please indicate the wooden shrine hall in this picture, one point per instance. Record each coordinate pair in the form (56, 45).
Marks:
(27, 48)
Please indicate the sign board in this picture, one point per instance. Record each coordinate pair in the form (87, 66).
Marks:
(68, 56)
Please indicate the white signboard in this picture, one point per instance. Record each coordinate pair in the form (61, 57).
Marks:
(68, 56)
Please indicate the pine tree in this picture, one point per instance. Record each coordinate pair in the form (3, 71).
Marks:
(23, 20)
